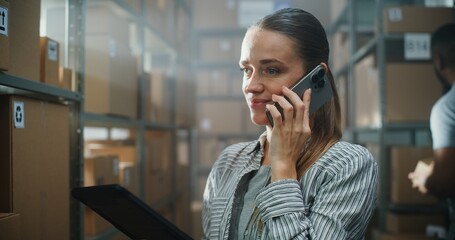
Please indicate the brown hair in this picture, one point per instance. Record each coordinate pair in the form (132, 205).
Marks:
(311, 43)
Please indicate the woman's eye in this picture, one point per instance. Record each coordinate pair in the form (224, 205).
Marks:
(272, 71)
(245, 71)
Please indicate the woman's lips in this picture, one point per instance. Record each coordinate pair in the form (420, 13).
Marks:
(259, 103)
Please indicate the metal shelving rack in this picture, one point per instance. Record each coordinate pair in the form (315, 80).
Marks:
(387, 134)
(78, 118)
(141, 124)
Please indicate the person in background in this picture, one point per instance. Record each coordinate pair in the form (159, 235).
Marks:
(298, 180)
(438, 177)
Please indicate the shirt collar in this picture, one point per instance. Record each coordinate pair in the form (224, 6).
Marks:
(259, 144)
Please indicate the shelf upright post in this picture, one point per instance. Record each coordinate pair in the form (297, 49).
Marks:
(75, 55)
(352, 33)
(384, 163)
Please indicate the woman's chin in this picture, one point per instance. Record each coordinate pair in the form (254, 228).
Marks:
(259, 120)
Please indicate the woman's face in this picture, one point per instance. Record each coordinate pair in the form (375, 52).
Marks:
(269, 61)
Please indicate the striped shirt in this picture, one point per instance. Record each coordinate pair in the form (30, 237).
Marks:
(334, 199)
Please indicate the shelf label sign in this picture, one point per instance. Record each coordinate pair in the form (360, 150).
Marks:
(417, 46)
(52, 50)
(3, 21)
(18, 114)
(395, 14)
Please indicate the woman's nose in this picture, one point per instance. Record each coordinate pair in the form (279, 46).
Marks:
(254, 84)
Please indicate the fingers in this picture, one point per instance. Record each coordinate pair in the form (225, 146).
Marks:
(301, 106)
(276, 115)
(294, 108)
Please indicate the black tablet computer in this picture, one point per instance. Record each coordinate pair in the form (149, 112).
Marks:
(128, 213)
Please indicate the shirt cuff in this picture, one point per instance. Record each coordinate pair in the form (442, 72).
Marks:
(280, 198)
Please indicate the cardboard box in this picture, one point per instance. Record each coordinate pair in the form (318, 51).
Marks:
(4, 36)
(34, 166)
(49, 61)
(104, 20)
(160, 15)
(209, 14)
(24, 25)
(10, 226)
(158, 166)
(209, 150)
(223, 116)
(101, 170)
(220, 49)
(182, 169)
(403, 160)
(65, 76)
(182, 211)
(414, 79)
(94, 224)
(196, 218)
(412, 223)
(128, 177)
(111, 79)
(157, 100)
(402, 19)
(127, 157)
(56, 27)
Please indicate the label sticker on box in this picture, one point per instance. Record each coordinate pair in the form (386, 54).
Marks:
(417, 46)
(52, 52)
(3, 21)
(395, 15)
(18, 114)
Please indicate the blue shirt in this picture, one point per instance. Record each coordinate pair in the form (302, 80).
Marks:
(442, 120)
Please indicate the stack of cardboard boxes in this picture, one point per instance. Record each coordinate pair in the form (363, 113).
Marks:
(410, 88)
(111, 71)
(34, 169)
(107, 163)
(34, 161)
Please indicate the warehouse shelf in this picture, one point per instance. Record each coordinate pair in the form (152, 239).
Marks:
(419, 209)
(387, 48)
(108, 234)
(71, 31)
(16, 85)
(110, 120)
(393, 134)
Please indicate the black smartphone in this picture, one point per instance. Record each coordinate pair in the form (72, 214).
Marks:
(321, 90)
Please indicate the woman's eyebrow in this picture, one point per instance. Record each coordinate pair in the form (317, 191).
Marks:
(262, 61)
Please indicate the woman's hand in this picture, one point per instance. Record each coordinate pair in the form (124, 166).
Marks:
(288, 137)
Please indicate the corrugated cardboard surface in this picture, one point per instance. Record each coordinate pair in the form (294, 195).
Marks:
(65, 78)
(415, 18)
(10, 226)
(416, 81)
(158, 166)
(24, 39)
(111, 79)
(49, 67)
(99, 170)
(403, 161)
(4, 42)
(39, 166)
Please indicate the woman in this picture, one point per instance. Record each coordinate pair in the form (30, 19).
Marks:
(298, 180)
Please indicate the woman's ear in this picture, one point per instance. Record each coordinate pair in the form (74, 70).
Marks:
(324, 65)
